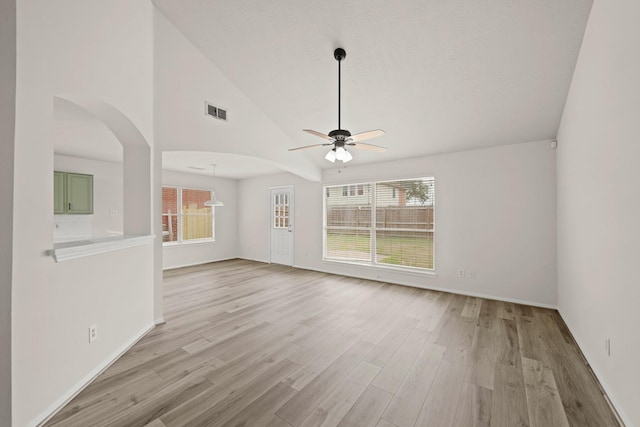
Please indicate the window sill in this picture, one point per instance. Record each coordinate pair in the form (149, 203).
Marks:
(82, 248)
(380, 267)
(187, 243)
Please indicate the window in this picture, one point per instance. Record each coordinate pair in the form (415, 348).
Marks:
(352, 190)
(348, 226)
(185, 218)
(398, 232)
(281, 211)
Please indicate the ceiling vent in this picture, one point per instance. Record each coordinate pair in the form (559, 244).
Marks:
(215, 111)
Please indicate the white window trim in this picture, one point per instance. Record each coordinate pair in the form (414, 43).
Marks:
(372, 263)
(179, 241)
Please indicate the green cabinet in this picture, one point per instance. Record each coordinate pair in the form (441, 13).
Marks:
(72, 193)
(59, 193)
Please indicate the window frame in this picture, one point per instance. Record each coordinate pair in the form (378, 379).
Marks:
(179, 215)
(372, 263)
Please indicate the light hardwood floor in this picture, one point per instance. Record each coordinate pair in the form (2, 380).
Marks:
(252, 344)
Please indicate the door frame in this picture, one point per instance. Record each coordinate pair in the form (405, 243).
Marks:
(291, 220)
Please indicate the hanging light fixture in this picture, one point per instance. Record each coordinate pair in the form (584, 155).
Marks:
(341, 138)
(338, 153)
(214, 200)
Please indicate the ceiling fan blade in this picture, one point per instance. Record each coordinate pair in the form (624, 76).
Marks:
(320, 134)
(367, 135)
(308, 146)
(369, 147)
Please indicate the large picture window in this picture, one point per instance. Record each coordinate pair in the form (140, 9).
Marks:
(185, 218)
(388, 223)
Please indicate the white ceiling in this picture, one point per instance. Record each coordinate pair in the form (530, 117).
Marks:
(225, 165)
(438, 76)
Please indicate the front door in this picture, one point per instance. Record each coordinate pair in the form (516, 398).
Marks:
(282, 225)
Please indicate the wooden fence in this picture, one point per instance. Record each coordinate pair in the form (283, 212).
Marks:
(405, 217)
(196, 224)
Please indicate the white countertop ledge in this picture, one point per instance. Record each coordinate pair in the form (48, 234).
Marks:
(82, 248)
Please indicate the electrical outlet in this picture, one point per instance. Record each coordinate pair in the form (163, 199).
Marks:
(461, 273)
(113, 212)
(93, 333)
(607, 346)
(472, 275)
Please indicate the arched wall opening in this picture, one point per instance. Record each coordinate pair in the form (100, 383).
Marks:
(136, 161)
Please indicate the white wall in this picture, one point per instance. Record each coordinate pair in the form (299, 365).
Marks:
(254, 208)
(495, 215)
(598, 203)
(107, 192)
(7, 139)
(226, 222)
(71, 47)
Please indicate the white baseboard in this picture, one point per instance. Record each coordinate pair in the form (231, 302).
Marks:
(436, 288)
(253, 259)
(605, 388)
(56, 406)
(174, 267)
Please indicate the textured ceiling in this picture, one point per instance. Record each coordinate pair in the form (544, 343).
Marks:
(438, 76)
(225, 165)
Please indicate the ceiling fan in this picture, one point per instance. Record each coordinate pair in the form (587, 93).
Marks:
(342, 138)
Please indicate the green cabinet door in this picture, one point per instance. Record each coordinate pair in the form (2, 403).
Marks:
(59, 193)
(79, 193)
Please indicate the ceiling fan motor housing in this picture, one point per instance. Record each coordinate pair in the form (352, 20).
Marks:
(339, 54)
(340, 134)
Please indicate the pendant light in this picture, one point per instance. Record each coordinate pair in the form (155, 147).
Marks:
(214, 200)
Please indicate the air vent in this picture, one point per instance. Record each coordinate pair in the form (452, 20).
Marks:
(215, 111)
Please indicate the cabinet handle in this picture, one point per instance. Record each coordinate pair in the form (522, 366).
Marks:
(69, 205)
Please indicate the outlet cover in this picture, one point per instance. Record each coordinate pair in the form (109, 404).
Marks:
(93, 333)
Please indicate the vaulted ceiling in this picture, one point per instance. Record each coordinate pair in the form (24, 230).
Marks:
(437, 75)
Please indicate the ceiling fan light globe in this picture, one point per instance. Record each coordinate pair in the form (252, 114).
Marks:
(340, 153)
(347, 157)
(331, 156)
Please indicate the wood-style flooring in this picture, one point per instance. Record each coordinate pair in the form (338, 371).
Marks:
(252, 344)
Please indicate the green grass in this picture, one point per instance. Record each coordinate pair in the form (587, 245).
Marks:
(394, 250)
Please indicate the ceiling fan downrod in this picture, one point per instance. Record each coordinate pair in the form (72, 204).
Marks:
(339, 54)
